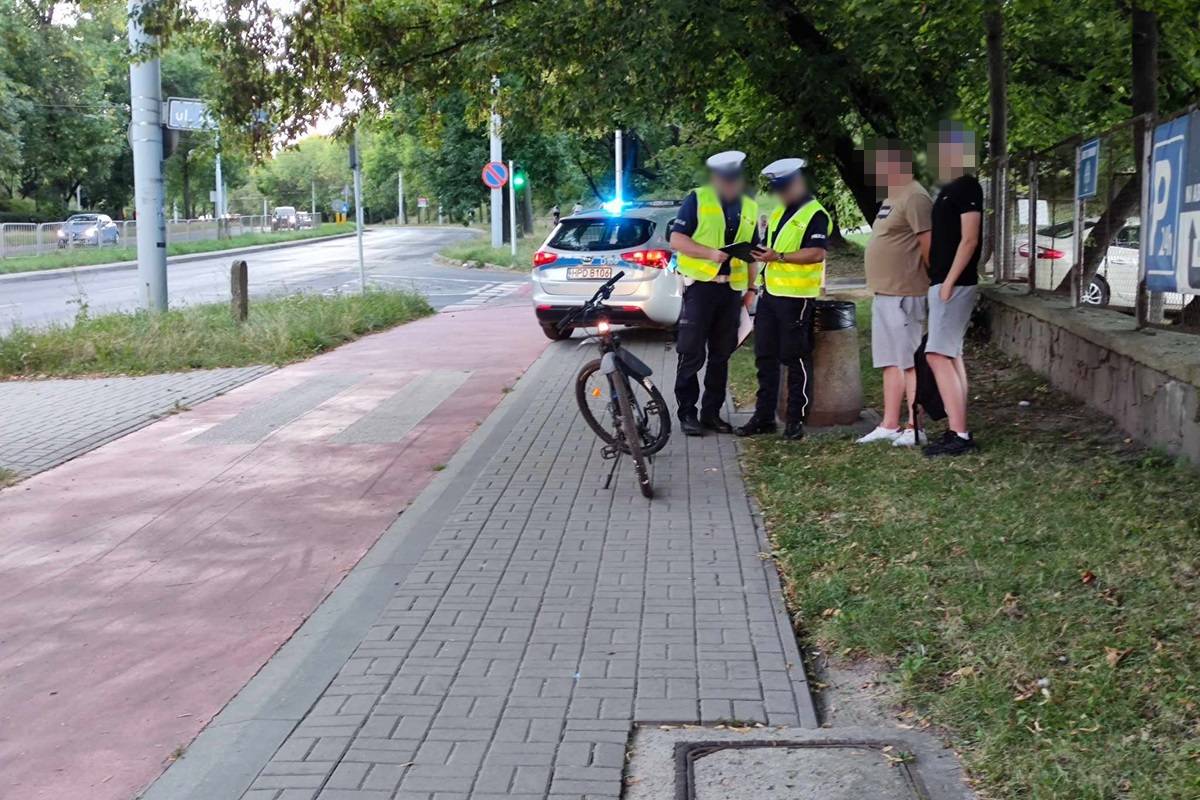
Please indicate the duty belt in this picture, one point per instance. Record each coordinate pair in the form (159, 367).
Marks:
(716, 279)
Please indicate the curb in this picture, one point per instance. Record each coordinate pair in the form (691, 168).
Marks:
(47, 274)
(227, 755)
(438, 258)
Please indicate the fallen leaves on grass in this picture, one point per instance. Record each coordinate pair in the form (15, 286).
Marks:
(1114, 656)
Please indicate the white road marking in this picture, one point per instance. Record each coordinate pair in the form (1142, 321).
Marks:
(484, 294)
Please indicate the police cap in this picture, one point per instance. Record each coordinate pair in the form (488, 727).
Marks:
(727, 164)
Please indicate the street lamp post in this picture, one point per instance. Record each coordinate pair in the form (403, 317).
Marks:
(146, 142)
(358, 212)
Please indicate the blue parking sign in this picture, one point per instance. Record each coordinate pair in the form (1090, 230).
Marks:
(1166, 190)
(1089, 169)
(1187, 269)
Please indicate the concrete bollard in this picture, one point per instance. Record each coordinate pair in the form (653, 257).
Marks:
(837, 396)
(239, 291)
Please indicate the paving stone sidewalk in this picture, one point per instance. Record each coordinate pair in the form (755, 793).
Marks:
(44, 423)
(547, 616)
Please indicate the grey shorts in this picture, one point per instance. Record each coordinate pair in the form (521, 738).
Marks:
(948, 321)
(896, 327)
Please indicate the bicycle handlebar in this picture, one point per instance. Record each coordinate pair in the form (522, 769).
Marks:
(597, 301)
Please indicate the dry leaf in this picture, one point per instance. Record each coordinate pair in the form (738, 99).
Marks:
(963, 672)
(1114, 656)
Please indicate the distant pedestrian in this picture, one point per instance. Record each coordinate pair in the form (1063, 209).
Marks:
(897, 253)
(577, 208)
(953, 275)
(555, 214)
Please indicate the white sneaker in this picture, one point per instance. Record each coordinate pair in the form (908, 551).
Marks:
(910, 438)
(880, 435)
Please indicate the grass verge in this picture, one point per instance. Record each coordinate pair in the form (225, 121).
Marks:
(86, 256)
(1039, 602)
(479, 248)
(280, 330)
(846, 261)
(8, 477)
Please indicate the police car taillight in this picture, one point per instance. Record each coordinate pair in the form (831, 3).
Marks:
(656, 259)
(541, 258)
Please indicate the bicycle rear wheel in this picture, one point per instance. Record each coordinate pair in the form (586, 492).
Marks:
(629, 432)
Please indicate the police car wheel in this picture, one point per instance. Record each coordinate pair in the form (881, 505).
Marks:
(554, 334)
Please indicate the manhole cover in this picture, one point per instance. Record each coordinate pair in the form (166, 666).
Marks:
(771, 769)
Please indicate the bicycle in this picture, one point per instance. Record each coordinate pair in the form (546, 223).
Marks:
(638, 423)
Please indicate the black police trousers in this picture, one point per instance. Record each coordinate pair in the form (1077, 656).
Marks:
(783, 334)
(708, 325)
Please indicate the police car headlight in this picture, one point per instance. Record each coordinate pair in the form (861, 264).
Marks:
(603, 326)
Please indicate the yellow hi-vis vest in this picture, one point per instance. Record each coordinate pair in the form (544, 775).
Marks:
(710, 232)
(784, 279)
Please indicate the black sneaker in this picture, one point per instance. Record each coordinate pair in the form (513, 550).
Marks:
(951, 444)
(690, 425)
(755, 427)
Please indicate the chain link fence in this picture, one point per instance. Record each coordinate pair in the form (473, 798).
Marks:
(1081, 202)
(98, 231)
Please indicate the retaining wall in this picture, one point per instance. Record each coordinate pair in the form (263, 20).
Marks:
(1148, 381)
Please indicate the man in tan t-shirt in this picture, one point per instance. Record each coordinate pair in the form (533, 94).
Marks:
(897, 254)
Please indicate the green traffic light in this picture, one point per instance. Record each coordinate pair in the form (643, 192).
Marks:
(519, 180)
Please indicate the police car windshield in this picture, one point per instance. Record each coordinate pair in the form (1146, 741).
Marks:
(602, 233)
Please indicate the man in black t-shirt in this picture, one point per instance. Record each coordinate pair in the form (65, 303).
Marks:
(953, 275)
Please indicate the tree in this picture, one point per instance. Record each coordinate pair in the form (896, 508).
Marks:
(993, 25)
(318, 163)
(62, 110)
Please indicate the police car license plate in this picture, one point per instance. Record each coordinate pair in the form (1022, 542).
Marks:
(589, 273)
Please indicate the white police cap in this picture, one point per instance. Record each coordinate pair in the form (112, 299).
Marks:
(727, 163)
(780, 171)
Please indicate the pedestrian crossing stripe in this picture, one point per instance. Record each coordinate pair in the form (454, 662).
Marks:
(483, 294)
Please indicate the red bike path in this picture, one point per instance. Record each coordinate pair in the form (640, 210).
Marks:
(142, 584)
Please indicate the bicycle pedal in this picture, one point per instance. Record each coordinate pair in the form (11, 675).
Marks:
(609, 452)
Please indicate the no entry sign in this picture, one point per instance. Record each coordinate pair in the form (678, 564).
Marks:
(495, 175)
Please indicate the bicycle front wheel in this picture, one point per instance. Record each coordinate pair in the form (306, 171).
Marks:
(629, 432)
(594, 397)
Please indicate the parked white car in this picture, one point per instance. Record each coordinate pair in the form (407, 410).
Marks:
(586, 249)
(1115, 283)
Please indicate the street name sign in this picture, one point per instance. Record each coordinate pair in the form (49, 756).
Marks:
(188, 114)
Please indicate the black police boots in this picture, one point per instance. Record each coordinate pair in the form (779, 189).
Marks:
(715, 423)
(690, 425)
(756, 426)
(794, 431)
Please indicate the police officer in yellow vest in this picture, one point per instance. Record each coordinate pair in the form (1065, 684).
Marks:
(711, 217)
(792, 276)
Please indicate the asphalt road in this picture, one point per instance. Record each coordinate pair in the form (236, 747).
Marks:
(394, 257)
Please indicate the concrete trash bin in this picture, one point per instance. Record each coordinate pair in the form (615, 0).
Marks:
(836, 381)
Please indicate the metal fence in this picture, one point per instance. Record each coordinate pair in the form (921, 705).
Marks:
(1083, 201)
(35, 239)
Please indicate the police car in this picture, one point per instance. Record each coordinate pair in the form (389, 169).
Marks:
(586, 249)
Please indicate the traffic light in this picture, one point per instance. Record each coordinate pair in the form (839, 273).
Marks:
(518, 178)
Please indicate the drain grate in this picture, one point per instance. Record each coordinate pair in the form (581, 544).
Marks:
(829, 769)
